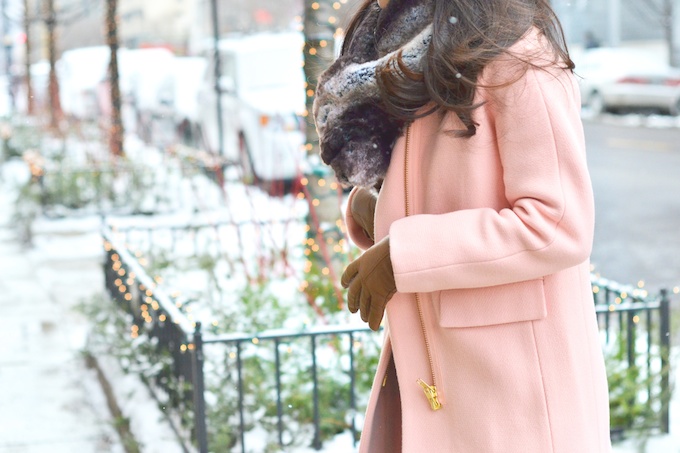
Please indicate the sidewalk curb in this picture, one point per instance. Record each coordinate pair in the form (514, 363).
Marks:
(121, 423)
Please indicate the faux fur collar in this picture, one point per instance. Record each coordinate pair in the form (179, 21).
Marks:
(356, 134)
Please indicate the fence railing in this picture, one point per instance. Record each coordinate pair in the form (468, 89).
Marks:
(627, 316)
(636, 327)
(154, 313)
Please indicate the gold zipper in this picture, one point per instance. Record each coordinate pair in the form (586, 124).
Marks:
(430, 390)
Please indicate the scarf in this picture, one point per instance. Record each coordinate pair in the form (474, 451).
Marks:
(356, 133)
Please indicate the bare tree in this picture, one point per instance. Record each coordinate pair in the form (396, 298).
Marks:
(116, 128)
(53, 91)
(318, 53)
(27, 63)
(321, 189)
(663, 11)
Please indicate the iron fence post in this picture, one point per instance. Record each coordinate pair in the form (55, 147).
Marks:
(239, 371)
(279, 404)
(199, 391)
(631, 334)
(352, 385)
(316, 443)
(665, 342)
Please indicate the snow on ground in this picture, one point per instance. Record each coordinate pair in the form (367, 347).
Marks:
(633, 119)
(50, 402)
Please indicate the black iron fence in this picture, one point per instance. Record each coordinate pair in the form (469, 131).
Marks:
(633, 324)
(183, 384)
(636, 331)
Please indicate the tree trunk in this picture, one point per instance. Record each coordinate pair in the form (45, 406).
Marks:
(321, 189)
(116, 128)
(318, 54)
(55, 106)
(668, 22)
(27, 62)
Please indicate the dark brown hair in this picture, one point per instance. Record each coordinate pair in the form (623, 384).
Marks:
(481, 31)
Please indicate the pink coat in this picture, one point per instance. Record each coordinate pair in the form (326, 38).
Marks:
(497, 247)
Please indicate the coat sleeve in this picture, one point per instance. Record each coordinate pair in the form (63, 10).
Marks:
(548, 223)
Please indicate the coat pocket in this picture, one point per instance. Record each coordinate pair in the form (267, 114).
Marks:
(503, 304)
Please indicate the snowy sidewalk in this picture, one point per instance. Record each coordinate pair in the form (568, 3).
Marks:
(49, 401)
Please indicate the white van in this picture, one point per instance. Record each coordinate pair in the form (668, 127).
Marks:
(80, 72)
(175, 112)
(263, 100)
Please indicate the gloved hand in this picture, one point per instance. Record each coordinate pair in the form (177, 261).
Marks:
(362, 208)
(370, 279)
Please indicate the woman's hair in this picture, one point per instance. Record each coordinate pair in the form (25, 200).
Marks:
(467, 36)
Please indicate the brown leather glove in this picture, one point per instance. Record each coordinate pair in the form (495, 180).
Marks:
(370, 279)
(362, 208)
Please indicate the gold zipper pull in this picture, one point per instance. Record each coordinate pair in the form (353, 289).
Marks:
(431, 394)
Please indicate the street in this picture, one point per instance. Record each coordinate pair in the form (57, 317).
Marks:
(636, 179)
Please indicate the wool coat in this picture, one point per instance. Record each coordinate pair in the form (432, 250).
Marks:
(497, 248)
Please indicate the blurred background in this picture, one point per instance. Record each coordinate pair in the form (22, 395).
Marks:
(171, 244)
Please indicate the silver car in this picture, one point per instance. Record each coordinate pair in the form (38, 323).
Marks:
(616, 79)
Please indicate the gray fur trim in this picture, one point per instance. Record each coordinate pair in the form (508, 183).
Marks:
(356, 135)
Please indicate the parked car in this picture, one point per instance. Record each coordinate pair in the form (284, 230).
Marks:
(80, 72)
(141, 72)
(263, 100)
(174, 112)
(624, 79)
